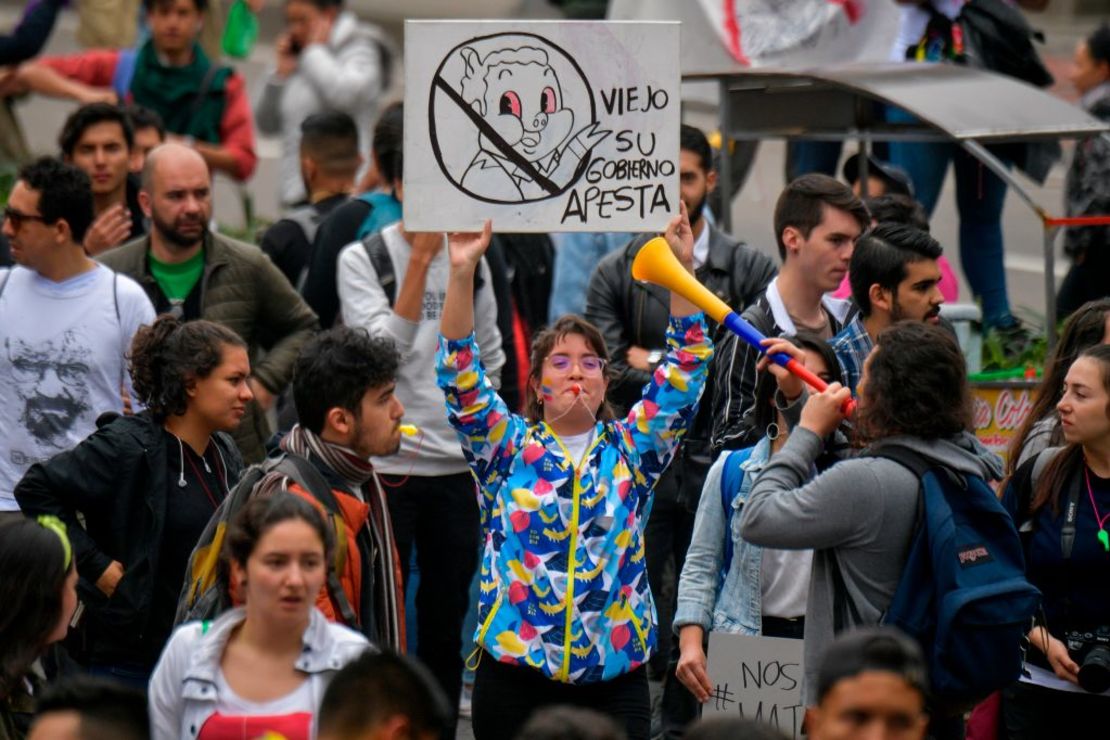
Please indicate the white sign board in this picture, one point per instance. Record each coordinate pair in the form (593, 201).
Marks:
(541, 126)
(757, 678)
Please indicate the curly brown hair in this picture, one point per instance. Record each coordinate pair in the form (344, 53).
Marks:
(915, 384)
(542, 345)
(170, 354)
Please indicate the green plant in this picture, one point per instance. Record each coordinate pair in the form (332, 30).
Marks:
(8, 174)
(1001, 353)
(1009, 351)
(253, 225)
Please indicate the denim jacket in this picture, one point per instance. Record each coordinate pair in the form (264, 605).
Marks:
(735, 605)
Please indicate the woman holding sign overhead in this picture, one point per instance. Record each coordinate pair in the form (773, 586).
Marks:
(565, 615)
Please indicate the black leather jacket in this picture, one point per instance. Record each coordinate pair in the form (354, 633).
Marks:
(116, 478)
(630, 313)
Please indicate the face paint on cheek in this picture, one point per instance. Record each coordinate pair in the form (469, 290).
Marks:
(545, 390)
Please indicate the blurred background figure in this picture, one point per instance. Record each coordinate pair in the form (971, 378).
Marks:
(327, 59)
(1088, 183)
(86, 708)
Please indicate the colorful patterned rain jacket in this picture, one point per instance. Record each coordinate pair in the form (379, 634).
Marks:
(564, 587)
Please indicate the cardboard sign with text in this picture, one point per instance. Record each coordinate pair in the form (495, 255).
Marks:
(757, 678)
(541, 126)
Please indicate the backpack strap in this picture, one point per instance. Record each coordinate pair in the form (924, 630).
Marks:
(308, 219)
(119, 324)
(383, 264)
(202, 91)
(919, 465)
(1043, 458)
(378, 253)
(1025, 520)
(907, 458)
(845, 613)
(305, 473)
(732, 477)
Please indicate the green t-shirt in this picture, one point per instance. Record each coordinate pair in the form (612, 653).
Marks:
(177, 280)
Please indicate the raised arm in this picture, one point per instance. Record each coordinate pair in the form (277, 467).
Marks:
(465, 251)
(681, 238)
(45, 80)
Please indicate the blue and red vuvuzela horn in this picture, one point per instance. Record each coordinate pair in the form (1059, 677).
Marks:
(657, 264)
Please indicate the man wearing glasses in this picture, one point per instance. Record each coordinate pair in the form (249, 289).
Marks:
(65, 324)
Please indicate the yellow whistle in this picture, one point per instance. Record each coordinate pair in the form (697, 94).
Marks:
(409, 430)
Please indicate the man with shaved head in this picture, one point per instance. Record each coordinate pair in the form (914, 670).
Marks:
(194, 273)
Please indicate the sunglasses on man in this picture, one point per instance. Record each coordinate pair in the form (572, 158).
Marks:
(18, 218)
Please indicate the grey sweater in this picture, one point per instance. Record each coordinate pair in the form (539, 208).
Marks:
(363, 303)
(858, 515)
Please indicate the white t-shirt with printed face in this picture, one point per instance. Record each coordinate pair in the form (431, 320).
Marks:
(62, 360)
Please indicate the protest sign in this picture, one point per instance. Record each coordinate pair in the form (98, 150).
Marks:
(757, 678)
(541, 126)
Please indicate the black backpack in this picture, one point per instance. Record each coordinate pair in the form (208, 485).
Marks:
(308, 218)
(378, 253)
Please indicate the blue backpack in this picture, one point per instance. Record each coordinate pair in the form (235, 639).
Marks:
(731, 478)
(963, 594)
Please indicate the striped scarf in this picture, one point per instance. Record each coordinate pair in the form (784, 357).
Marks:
(359, 476)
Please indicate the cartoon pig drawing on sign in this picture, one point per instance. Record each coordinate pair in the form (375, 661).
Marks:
(535, 152)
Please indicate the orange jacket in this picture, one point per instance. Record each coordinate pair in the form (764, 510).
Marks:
(348, 559)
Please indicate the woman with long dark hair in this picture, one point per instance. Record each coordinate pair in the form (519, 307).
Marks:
(147, 486)
(1088, 326)
(259, 670)
(1061, 499)
(38, 590)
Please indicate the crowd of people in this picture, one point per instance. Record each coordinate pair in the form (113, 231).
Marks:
(358, 481)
